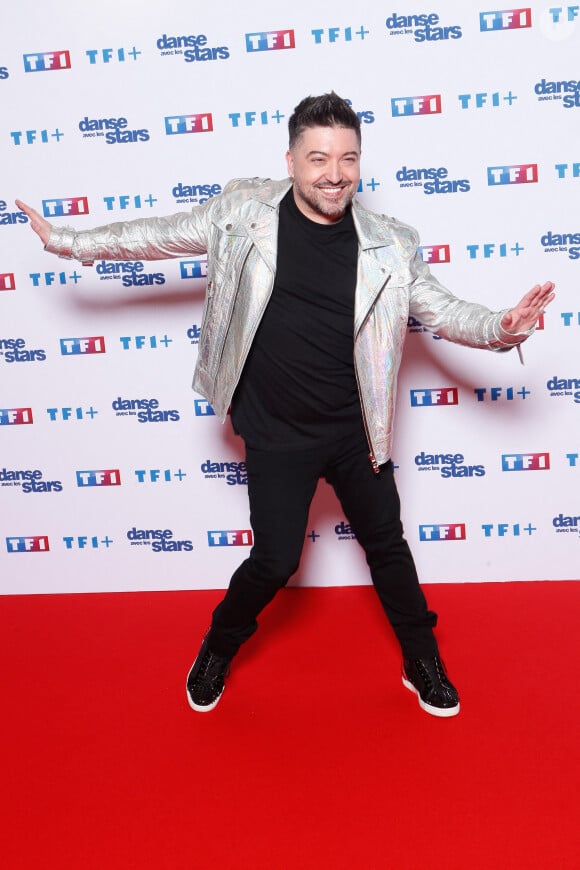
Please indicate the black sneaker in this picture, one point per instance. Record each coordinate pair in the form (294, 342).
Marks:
(427, 678)
(206, 679)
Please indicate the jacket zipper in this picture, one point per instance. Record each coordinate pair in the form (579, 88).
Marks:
(372, 457)
(259, 320)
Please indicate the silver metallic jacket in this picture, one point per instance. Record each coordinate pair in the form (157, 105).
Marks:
(238, 231)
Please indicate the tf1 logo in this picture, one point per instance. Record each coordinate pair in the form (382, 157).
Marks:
(7, 281)
(63, 206)
(15, 416)
(87, 344)
(176, 124)
(434, 253)
(103, 477)
(231, 538)
(443, 396)
(519, 173)
(442, 532)
(525, 462)
(429, 104)
(46, 61)
(28, 544)
(505, 19)
(270, 40)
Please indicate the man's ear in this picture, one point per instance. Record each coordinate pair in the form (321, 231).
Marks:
(290, 163)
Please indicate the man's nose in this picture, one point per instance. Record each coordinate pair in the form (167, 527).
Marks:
(334, 173)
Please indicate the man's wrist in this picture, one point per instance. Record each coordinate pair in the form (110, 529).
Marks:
(521, 334)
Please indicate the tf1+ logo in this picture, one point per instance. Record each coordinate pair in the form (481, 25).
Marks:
(106, 55)
(571, 13)
(443, 396)
(519, 173)
(525, 462)
(429, 104)
(231, 538)
(442, 532)
(46, 61)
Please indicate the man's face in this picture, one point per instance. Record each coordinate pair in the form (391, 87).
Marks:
(324, 163)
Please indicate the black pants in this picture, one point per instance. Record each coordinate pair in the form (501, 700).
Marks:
(280, 488)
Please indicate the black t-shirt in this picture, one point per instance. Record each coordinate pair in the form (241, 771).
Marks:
(298, 387)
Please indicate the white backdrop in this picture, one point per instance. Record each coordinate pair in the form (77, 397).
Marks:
(113, 474)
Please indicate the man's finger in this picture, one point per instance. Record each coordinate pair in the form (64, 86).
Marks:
(23, 207)
(32, 213)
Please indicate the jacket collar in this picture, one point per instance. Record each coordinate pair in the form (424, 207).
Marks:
(271, 192)
(370, 227)
(372, 230)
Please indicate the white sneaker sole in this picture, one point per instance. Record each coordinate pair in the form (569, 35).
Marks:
(198, 707)
(440, 712)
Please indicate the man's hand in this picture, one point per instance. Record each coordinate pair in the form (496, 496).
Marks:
(525, 314)
(40, 226)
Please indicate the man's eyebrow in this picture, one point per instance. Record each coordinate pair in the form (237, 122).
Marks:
(325, 153)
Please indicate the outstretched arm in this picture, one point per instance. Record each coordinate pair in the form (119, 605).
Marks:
(524, 315)
(471, 323)
(151, 238)
(40, 226)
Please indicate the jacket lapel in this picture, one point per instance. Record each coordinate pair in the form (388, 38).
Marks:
(264, 231)
(373, 265)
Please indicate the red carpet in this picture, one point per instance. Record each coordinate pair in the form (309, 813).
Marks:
(316, 756)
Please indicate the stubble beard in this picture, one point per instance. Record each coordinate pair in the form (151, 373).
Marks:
(316, 201)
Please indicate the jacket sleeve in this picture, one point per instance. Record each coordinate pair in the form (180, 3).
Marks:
(155, 238)
(468, 323)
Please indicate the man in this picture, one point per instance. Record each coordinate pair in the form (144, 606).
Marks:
(308, 298)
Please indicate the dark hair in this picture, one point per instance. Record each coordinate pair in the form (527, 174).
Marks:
(327, 110)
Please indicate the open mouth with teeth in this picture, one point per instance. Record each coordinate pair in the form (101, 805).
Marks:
(331, 191)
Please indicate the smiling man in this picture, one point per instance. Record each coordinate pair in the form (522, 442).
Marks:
(324, 163)
(308, 300)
